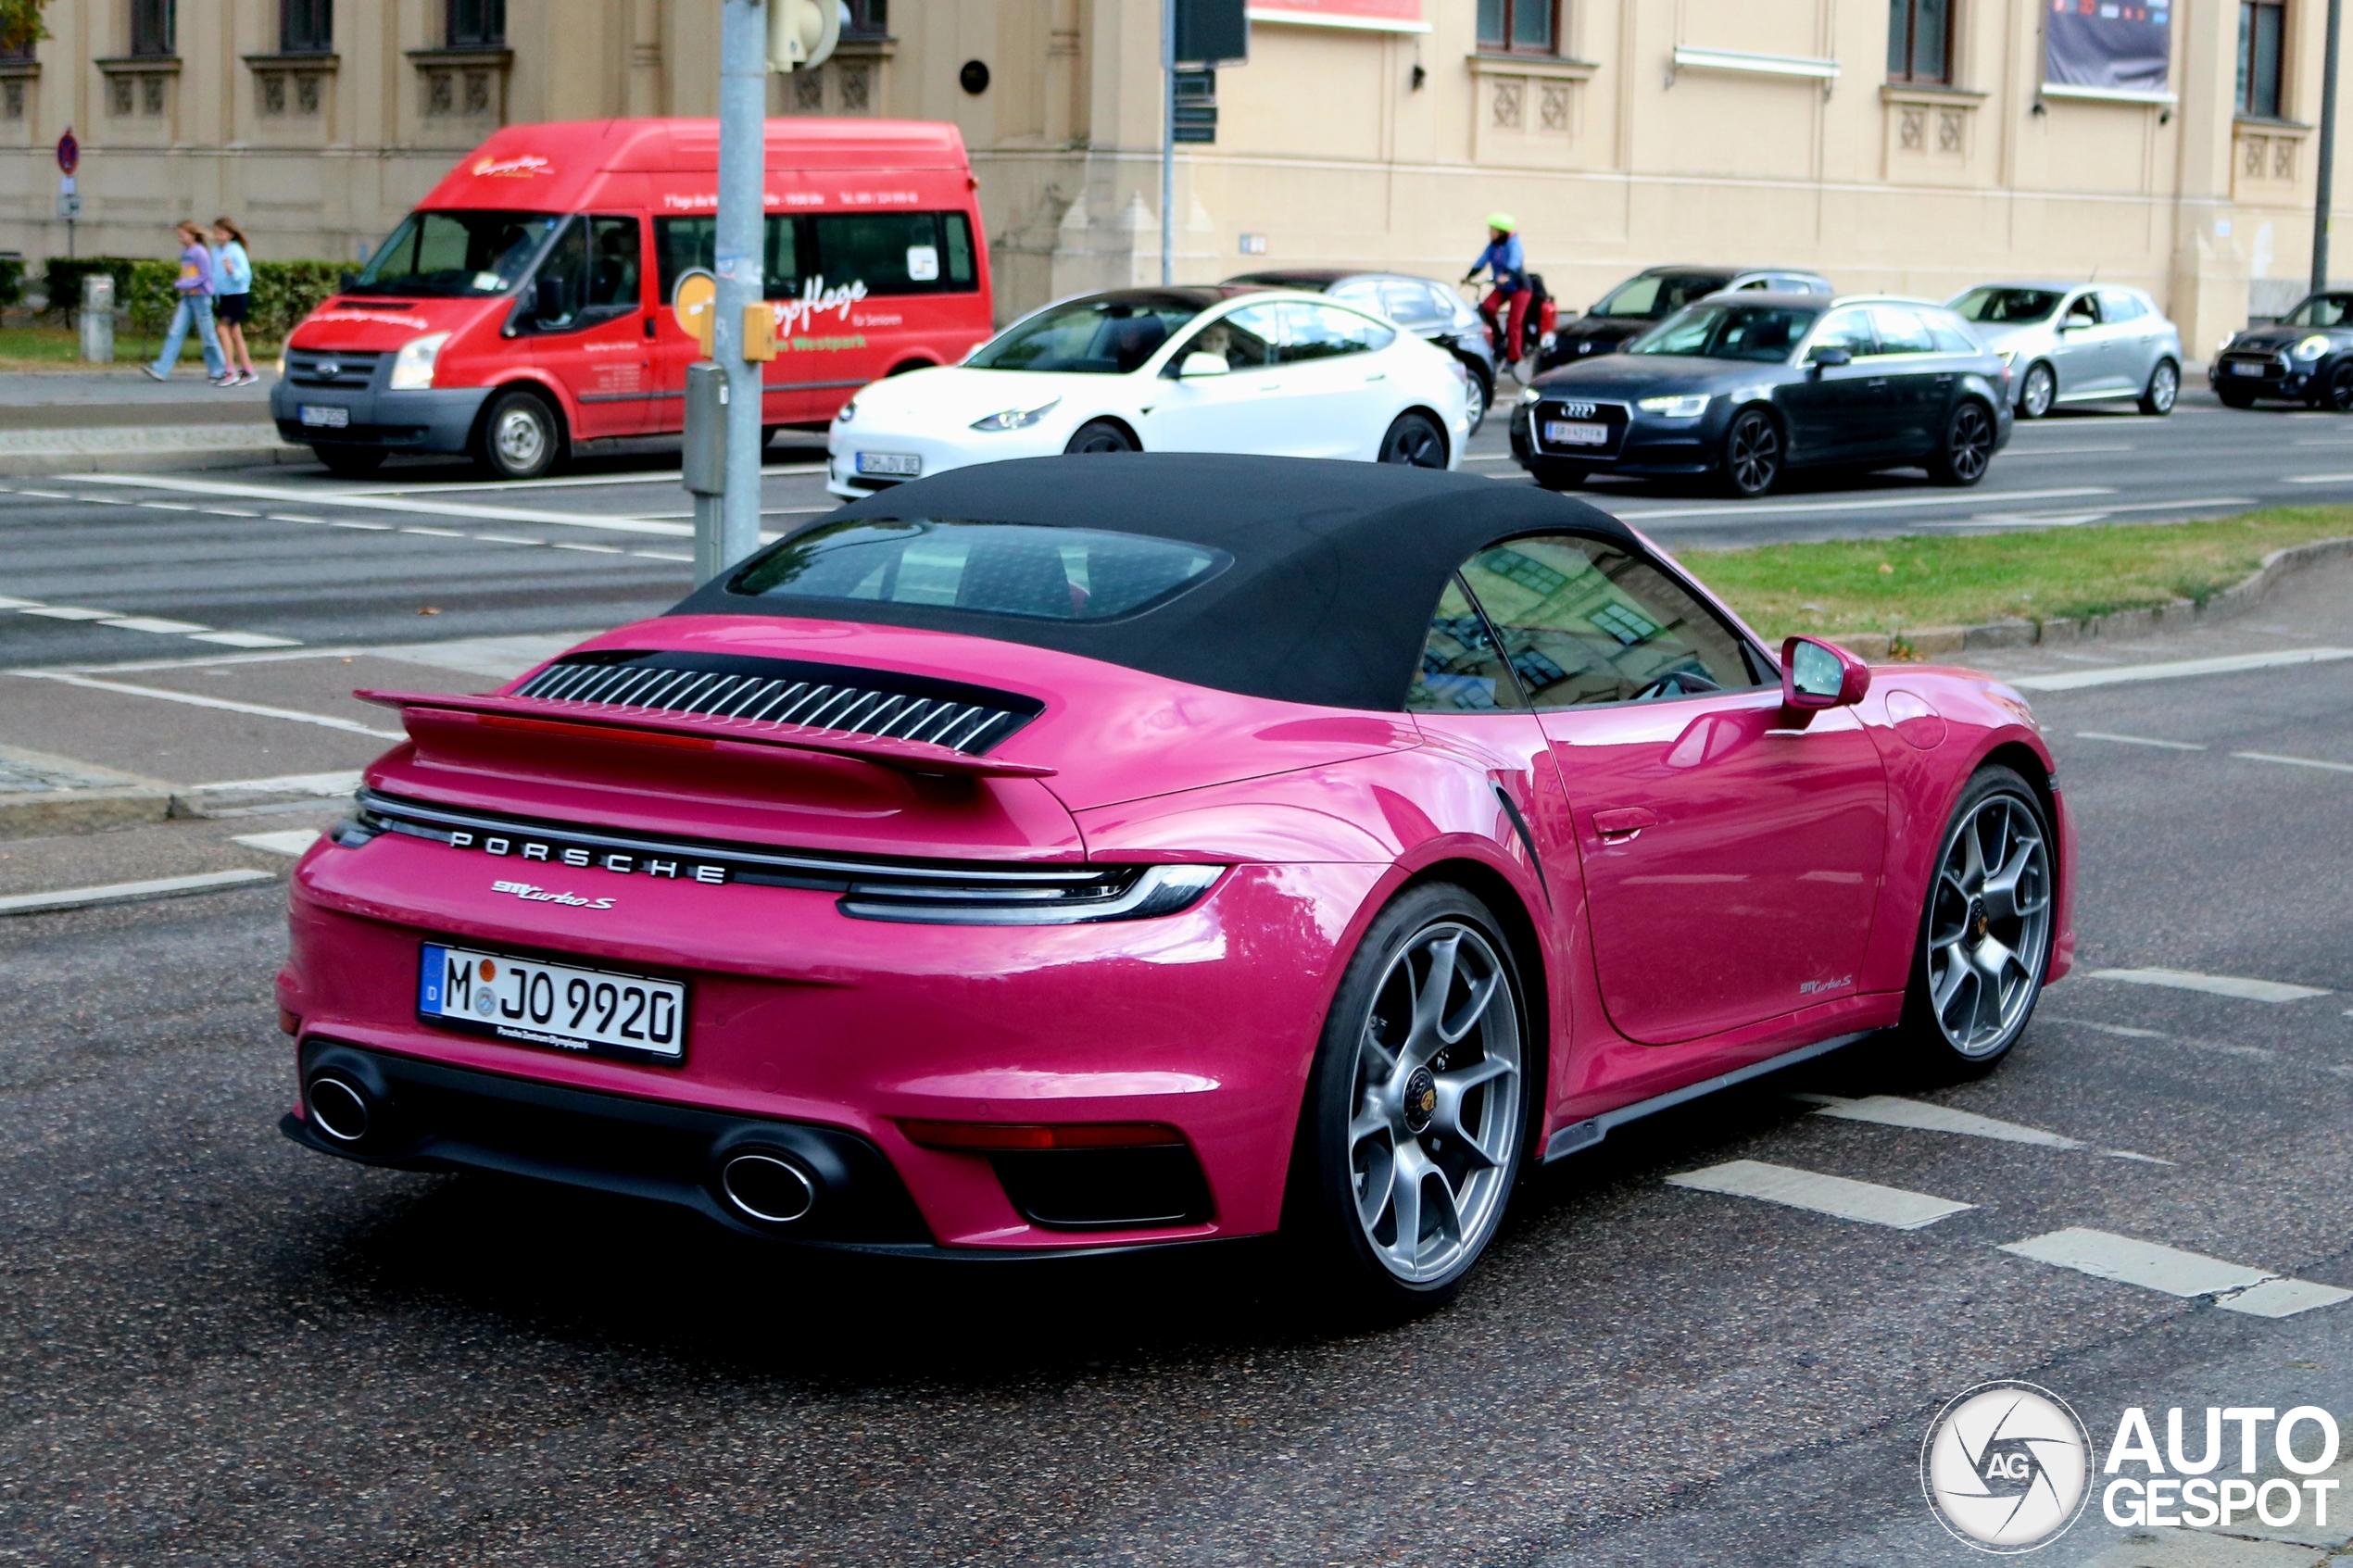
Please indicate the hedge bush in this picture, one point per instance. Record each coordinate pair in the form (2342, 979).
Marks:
(11, 279)
(283, 292)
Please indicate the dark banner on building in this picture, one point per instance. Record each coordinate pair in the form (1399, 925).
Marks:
(2103, 43)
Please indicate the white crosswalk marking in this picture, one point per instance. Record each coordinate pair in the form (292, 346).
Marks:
(2235, 1287)
(1836, 1196)
(1892, 1111)
(2245, 990)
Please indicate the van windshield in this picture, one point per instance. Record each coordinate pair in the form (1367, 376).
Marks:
(452, 254)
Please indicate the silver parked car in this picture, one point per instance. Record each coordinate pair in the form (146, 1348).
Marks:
(2077, 342)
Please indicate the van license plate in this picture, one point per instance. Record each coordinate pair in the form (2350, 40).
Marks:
(898, 465)
(325, 417)
(1563, 432)
(2243, 369)
(597, 1011)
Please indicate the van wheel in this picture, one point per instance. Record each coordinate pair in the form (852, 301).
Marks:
(521, 436)
(350, 462)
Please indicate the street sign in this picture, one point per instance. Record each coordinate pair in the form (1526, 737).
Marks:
(69, 206)
(69, 152)
(1209, 32)
(1193, 118)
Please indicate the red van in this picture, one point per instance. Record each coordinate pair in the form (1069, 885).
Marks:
(523, 309)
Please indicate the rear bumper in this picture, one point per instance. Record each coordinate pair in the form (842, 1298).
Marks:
(441, 419)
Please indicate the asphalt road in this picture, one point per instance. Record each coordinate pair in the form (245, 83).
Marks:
(427, 549)
(221, 1349)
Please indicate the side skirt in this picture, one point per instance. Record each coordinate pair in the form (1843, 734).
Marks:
(1593, 1129)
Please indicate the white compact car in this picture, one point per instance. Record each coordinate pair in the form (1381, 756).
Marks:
(1173, 369)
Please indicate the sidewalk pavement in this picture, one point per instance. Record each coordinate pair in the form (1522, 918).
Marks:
(116, 416)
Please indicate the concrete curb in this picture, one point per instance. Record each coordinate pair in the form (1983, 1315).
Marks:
(26, 454)
(93, 799)
(1937, 642)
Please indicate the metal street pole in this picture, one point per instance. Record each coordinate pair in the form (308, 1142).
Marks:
(1168, 141)
(743, 155)
(2327, 171)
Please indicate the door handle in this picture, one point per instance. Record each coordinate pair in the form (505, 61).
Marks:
(1377, 375)
(1877, 384)
(1624, 824)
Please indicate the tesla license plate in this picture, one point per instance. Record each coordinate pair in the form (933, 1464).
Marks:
(2243, 369)
(1569, 432)
(325, 417)
(896, 465)
(594, 1011)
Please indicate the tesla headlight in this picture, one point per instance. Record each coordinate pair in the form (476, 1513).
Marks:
(1686, 407)
(1016, 419)
(2312, 347)
(412, 367)
(1530, 393)
(842, 415)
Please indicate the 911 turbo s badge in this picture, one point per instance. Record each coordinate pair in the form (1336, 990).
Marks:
(555, 853)
(541, 895)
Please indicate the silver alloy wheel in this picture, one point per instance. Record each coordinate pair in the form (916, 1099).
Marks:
(2040, 392)
(1989, 928)
(1475, 403)
(521, 436)
(1433, 1133)
(2165, 385)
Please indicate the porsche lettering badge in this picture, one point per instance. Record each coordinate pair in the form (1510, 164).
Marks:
(555, 852)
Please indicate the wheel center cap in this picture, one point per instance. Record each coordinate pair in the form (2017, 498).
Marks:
(1421, 1100)
(1979, 921)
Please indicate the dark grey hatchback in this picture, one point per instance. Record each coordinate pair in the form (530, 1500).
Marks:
(1742, 391)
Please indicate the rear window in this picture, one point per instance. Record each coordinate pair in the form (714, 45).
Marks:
(1074, 574)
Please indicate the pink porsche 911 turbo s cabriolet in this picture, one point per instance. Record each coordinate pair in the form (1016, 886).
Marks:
(1087, 853)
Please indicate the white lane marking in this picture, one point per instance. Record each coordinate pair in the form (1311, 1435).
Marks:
(285, 784)
(2015, 452)
(246, 639)
(2235, 1287)
(2075, 679)
(1946, 499)
(19, 604)
(596, 549)
(1892, 1111)
(661, 555)
(117, 892)
(290, 516)
(291, 841)
(226, 512)
(73, 612)
(1836, 1196)
(765, 511)
(167, 507)
(2245, 990)
(393, 504)
(2318, 479)
(2122, 1030)
(514, 539)
(325, 720)
(154, 624)
(370, 527)
(569, 481)
(2138, 740)
(436, 532)
(45, 495)
(2294, 762)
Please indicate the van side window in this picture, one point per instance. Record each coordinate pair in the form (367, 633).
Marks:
(614, 275)
(894, 253)
(683, 244)
(590, 274)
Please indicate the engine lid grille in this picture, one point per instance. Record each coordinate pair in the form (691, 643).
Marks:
(782, 694)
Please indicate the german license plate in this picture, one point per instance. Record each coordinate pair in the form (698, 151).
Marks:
(600, 1012)
(898, 465)
(1566, 432)
(326, 416)
(2243, 369)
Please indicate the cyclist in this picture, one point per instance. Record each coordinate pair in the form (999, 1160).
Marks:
(1505, 262)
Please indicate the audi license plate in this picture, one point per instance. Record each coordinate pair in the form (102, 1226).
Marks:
(1566, 432)
(896, 465)
(326, 416)
(2241, 368)
(598, 1011)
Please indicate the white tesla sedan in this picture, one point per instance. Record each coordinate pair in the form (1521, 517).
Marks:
(1173, 369)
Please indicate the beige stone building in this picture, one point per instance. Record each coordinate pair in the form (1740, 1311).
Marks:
(1374, 133)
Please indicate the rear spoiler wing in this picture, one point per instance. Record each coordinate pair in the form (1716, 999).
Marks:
(689, 733)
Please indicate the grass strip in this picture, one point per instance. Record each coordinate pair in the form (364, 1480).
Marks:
(1907, 583)
(59, 348)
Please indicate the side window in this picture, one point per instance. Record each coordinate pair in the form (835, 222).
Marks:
(1850, 329)
(1409, 304)
(1320, 331)
(2081, 311)
(613, 272)
(1584, 621)
(1245, 340)
(1901, 332)
(892, 253)
(2120, 305)
(1758, 283)
(779, 257)
(1363, 293)
(560, 289)
(1462, 670)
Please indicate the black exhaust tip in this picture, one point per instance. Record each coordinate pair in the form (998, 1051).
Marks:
(340, 1107)
(769, 1188)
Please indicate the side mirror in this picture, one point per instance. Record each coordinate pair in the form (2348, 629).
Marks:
(1202, 365)
(1830, 357)
(1816, 674)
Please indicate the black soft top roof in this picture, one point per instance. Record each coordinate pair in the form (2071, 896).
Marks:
(1337, 566)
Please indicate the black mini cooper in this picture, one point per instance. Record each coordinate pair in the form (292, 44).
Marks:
(2305, 356)
(1744, 389)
